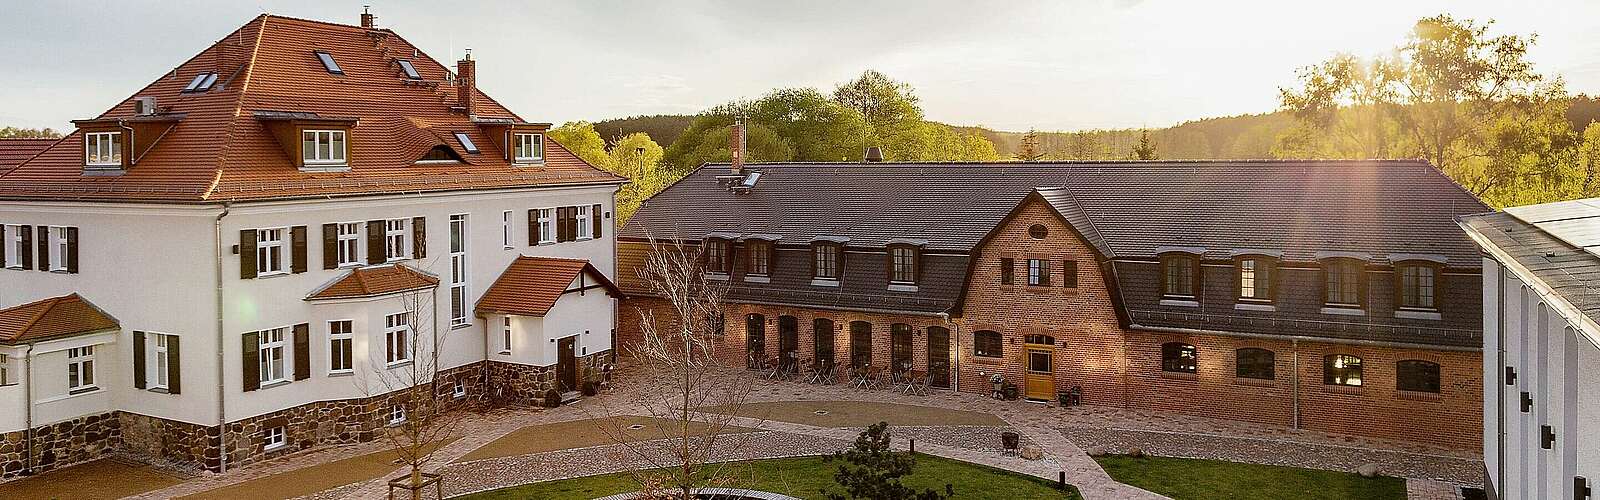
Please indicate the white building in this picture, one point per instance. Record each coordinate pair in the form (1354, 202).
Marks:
(1541, 352)
(225, 266)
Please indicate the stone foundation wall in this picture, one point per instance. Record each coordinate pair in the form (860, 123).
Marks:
(515, 383)
(60, 444)
(171, 441)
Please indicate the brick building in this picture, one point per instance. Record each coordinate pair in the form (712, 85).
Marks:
(1334, 296)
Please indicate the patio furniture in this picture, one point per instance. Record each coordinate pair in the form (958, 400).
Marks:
(916, 383)
(1009, 442)
(861, 377)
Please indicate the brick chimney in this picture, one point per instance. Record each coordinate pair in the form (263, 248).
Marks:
(366, 17)
(466, 81)
(736, 146)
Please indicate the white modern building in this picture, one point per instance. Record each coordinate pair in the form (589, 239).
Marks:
(229, 264)
(1541, 352)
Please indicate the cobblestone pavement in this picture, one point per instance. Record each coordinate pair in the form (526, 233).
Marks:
(1423, 489)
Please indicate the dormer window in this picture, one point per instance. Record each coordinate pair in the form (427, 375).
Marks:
(410, 71)
(825, 260)
(903, 264)
(716, 256)
(466, 143)
(760, 257)
(1417, 286)
(201, 82)
(1255, 279)
(528, 148)
(323, 147)
(1342, 282)
(102, 149)
(327, 62)
(1180, 276)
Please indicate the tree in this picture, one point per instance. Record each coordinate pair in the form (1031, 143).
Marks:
(681, 372)
(580, 138)
(1145, 150)
(888, 106)
(816, 128)
(706, 140)
(26, 133)
(638, 158)
(873, 470)
(1028, 149)
(411, 392)
(1083, 146)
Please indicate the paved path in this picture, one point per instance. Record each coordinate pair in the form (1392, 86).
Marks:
(1424, 489)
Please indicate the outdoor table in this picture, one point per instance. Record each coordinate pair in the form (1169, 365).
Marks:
(916, 382)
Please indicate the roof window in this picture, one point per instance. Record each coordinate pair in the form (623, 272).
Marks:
(466, 143)
(411, 71)
(201, 82)
(327, 62)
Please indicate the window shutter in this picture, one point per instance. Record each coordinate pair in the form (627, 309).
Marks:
(72, 250)
(1006, 270)
(596, 217)
(1069, 273)
(330, 246)
(247, 253)
(174, 360)
(302, 351)
(27, 246)
(44, 248)
(3, 244)
(419, 237)
(561, 224)
(533, 226)
(297, 249)
(252, 361)
(138, 360)
(375, 240)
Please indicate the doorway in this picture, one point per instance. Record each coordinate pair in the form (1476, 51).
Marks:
(822, 331)
(900, 347)
(789, 342)
(1041, 374)
(567, 363)
(755, 338)
(939, 356)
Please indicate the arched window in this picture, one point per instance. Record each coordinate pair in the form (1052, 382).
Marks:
(860, 343)
(1178, 357)
(1255, 363)
(822, 330)
(1417, 375)
(987, 344)
(900, 347)
(1341, 369)
(755, 332)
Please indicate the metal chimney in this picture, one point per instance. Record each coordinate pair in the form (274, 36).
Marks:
(874, 155)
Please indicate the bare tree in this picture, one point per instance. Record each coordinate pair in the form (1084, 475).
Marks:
(678, 374)
(414, 416)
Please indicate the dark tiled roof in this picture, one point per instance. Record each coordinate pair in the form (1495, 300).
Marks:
(14, 151)
(50, 318)
(374, 281)
(1570, 271)
(530, 286)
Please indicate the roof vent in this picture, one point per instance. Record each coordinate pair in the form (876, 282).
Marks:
(874, 155)
(144, 106)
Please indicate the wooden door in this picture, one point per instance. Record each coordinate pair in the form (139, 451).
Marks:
(567, 363)
(938, 356)
(789, 341)
(1041, 373)
(755, 341)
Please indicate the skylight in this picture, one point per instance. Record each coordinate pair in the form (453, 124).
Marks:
(201, 82)
(466, 143)
(327, 62)
(411, 71)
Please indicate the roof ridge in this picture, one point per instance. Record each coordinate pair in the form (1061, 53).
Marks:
(238, 105)
(53, 302)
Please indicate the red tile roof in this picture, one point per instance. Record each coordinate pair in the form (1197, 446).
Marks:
(54, 317)
(375, 281)
(14, 151)
(530, 286)
(220, 150)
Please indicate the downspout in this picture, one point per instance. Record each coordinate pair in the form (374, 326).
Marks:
(1294, 377)
(955, 379)
(222, 408)
(27, 405)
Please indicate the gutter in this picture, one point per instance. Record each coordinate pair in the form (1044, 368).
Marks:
(1294, 379)
(955, 380)
(222, 408)
(1307, 338)
(27, 405)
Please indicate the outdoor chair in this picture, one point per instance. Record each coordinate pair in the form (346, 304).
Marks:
(1009, 442)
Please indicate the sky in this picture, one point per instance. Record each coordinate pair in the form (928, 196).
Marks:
(1014, 65)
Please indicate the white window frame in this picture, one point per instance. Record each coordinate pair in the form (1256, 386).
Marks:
(527, 148)
(585, 230)
(102, 149)
(159, 352)
(505, 334)
(271, 355)
(344, 334)
(267, 248)
(458, 270)
(58, 248)
(397, 239)
(337, 142)
(1038, 272)
(460, 389)
(506, 232)
(13, 246)
(80, 370)
(547, 225)
(274, 438)
(397, 341)
(5, 369)
(348, 241)
(397, 414)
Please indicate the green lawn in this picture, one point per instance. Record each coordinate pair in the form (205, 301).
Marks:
(804, 477)
(1189, 479)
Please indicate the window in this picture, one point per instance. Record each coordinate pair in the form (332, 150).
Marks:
(528, 148)
(1417, 376)
(348, 244)
(1178, 276)
(58, 248)
(162, 360)
(397, 338)
(760, 257)
(327, 62)
(547, 225)
(5, 369)
(1255, 363)
(1416, 287)
(825, 261)
(322, 147)
(1038, 231)
(460, 389)
(13, 246)
(1342, 282)
(1069, 273)
(269, 251)
(1178, 357)
(505, 229)
(80, 369)
(395, 237)
(717, 256)
(340, 346)
(1038, 272)
(397, 414)
(717, 325)
(1007, 270)
(902, 264)
(583, 223)
(274, 438)
(201, 82)
(458, 269)
(411, 71)
(1341, 369)
(505, 335)
(102, 149)
(1255, 280)
(466, 143)
(271, 356)
(987, 344)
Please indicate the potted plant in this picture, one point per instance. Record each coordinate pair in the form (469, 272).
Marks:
(999, 382)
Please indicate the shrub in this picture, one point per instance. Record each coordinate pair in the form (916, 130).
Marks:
(552, 398)
(874, 470)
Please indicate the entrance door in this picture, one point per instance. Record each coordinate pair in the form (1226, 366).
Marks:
(755, 343)
(1041, 376)
(789, 341)
(938, 356)
(822, 330)
(567, 363)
